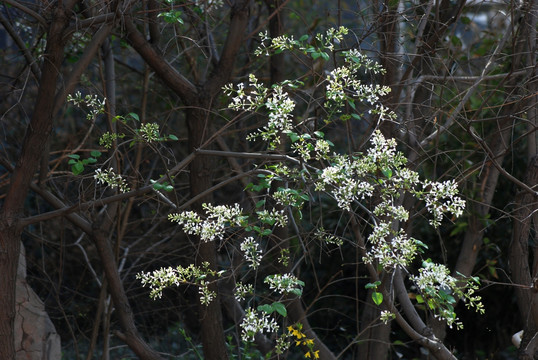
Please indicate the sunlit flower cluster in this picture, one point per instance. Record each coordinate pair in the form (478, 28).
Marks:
(440, 198)
(390, 248)
(251, 251)
(110, 178)
(160, 279)
(345, 180)
(256, 322)
(284, 283)
(248, 99)
(273, 217)
(214, 226)
(386, 316)
(439, 289)
(243, 290)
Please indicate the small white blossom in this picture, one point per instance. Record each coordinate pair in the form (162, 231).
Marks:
(110, 178)
(251, 252)
(284, 283)
(254, 323)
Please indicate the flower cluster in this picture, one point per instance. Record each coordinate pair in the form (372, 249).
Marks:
(438, 290)
(441, 198)
(149, 132)
(251, 252)
(214, 226)
(273, 217)
(243, 290)
(296, 331)
(390, 248)
(328, 238)
(386, 316)
(285, 283)
(108, 138)
(160, 279)
(110, 178)
(254, 323)
(92, 102)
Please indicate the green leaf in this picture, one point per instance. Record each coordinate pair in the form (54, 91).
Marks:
(168, 188)
(173, 137)
(95, 153)
(303, 38)
(260, 203)
(280, 308)
(266, 232)
(355, 116)
(266, 308)
(72, 161)
(377, 297)
(134, 116)
(372, 286)
(77, 168)
(420, 299)
(297, 292)
(74, 156)
(325, 56)
(387, 172)
(90, 160)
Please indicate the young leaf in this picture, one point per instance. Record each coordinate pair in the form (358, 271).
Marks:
(377, 297)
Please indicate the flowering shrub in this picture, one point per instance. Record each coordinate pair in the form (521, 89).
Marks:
(373, 182)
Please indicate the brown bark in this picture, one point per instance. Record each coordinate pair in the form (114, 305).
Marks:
(33, 144)
(523, 272)
(123, 309)
(201, 179)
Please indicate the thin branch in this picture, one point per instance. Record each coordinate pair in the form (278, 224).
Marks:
(470, 92)
(22, 47)
(64, 210)
(27, 10)
(495, 163)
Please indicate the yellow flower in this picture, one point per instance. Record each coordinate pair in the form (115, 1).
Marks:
(290, 329)
(307, 355)
(309, 342)
(316, 354)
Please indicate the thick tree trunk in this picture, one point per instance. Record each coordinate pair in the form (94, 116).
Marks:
(33, 144)
(201, 179)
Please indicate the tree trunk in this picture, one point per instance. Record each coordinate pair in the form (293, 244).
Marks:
(33, 144)
(201, 179)
(522, 237)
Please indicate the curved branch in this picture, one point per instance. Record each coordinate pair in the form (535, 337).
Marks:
(173, 79)
(20, 44)
(27, 10)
